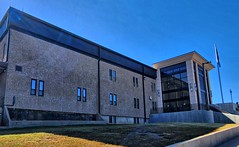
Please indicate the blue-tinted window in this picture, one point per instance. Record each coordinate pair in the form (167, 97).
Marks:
(115, 99)
(84, 94)
(78, 94)
(41, 88)
(33, 87)
(112, 75)
(174, 84)
(111, 99)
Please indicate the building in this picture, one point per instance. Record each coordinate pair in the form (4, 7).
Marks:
(47, 73)
(183, 83)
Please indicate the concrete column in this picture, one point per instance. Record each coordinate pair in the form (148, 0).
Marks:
(191, 85)
(159, 92)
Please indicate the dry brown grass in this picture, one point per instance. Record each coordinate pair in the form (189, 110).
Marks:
(107, 135)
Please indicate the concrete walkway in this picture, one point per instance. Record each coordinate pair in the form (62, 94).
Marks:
(231, 143)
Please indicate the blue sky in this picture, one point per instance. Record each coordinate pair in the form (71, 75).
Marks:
(152, 30)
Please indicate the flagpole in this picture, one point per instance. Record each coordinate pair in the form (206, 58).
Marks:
(218, 70)
(219, 76)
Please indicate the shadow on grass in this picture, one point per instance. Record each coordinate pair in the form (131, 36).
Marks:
(127, 135)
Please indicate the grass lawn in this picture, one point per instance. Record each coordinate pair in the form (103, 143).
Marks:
(107, 135)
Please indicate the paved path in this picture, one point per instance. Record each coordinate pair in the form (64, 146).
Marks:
(231, 143)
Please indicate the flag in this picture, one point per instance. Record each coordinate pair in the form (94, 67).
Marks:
(217, 56)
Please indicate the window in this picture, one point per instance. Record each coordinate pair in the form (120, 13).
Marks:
(154, 104)
(136, 120)
(41, 88)
(84, 94)
(135, 82)
(33, 86)
(112, 119)
(136, 103)
(78, 94)
(112, 75)
(175, 89)
(111, 99)
(18, 68)
(153, 89)
(115, 99)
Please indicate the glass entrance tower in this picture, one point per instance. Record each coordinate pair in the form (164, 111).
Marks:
(183, 83)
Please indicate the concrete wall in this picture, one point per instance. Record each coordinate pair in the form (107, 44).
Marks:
(201, 116)
(61, 69)
(211, 139)
(225, 118)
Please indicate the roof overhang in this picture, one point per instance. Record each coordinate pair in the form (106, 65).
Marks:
(194, 56)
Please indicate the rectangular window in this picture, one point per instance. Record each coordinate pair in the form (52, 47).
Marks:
(114, 119)
(138, 103)
(110, 119)
(33, 86)
(115, 99)
(153, 88)
(78, 94)
(134, 102)
(137, 120)
(111, 99)
(112, 75)
(41, 88)
(84, 94)
(134, 81)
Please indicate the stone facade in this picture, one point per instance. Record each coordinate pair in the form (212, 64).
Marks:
(63, 71)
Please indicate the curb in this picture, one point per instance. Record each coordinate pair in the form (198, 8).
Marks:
(211, 139)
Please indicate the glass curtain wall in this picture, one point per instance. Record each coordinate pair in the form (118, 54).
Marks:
(203, 91)
(175, 88)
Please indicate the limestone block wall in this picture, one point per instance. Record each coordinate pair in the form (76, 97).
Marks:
(61, 69)
(124, 89)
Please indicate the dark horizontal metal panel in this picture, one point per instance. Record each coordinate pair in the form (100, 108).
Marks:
(23, 21)
(151, 72)
(111, 56)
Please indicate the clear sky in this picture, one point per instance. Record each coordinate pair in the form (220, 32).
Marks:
(152, 30)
